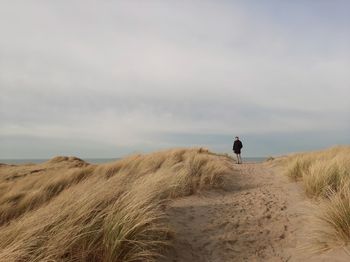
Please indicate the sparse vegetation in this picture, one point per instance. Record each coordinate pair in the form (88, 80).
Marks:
(333, 221)
(270, 158)
(68, 210)
(326, 177)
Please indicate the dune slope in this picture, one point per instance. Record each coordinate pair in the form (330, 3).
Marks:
(177, 205)
(68, 210)
(262, 216)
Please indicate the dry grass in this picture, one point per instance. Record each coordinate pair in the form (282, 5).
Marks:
(68, 210)
(320, 170)
(326, 177)
(332, 222)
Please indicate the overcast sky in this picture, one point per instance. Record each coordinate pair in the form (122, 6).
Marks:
(109, 78)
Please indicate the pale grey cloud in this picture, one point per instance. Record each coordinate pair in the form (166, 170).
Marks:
(134, 75)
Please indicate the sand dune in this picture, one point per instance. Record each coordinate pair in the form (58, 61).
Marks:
(263, 217)
(68, 210)
(176, 205)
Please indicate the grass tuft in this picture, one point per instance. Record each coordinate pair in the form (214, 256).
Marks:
(326, 177)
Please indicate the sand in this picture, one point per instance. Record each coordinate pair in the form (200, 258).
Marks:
(263, 216)
(259, 216)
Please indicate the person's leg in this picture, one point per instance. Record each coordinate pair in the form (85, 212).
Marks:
(237, 155)
(240, 158)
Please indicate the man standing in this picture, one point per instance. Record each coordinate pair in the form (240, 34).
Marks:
(237, 146)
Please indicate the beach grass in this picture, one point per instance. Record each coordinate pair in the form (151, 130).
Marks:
(68, 210)
(326, 178)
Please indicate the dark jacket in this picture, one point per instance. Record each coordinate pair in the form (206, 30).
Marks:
(237, 145)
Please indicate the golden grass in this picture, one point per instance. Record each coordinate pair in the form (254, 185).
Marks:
(68, 210)
(320, 170)
(332, 222)
(326, 177)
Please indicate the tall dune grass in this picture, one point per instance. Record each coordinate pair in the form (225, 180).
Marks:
(321, 170)
(326, 177)
(332, 221)
(68, 210)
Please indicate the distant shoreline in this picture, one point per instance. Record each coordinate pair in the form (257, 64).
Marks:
(19, 161)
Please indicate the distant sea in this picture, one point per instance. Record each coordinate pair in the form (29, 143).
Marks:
(41, 160)
(254, 159)
(97, 160)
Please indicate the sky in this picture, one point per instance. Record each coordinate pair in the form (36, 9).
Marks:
(112, 78)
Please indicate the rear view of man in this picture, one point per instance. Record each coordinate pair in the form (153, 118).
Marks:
(237, 146)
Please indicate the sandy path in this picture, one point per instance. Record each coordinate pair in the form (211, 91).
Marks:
(260, 218)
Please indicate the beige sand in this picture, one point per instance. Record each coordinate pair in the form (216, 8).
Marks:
(261, 217)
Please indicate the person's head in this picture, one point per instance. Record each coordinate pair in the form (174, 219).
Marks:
(236, 138)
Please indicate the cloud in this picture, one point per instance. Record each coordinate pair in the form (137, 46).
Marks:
(136, 74)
